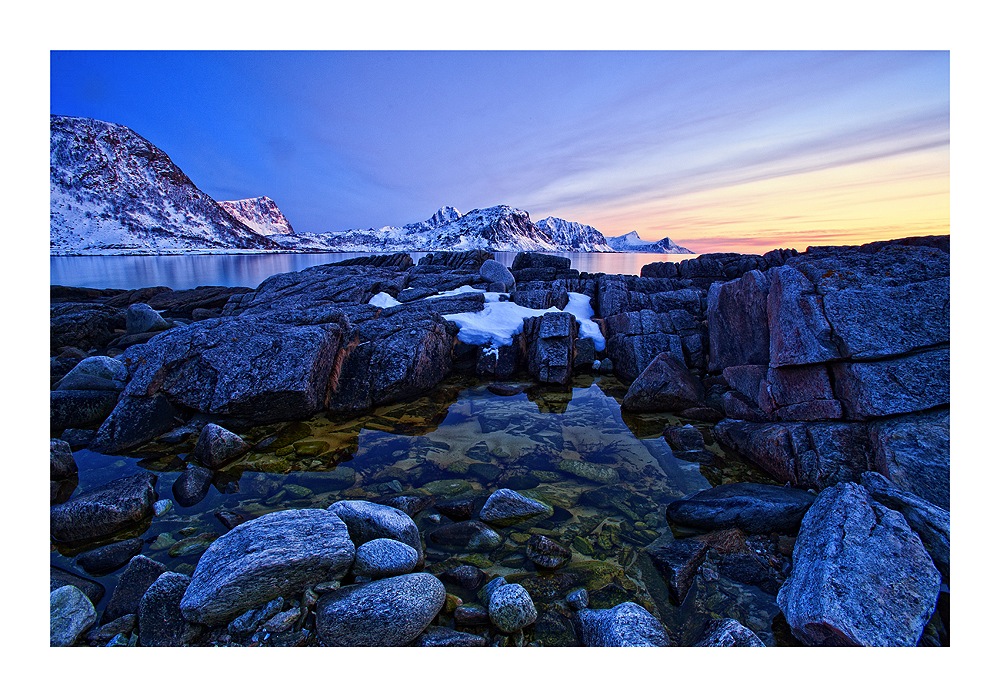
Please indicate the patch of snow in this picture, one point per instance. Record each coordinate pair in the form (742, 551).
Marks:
(383, 300)
(579, 306)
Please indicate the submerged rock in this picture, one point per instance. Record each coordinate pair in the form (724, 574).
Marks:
(192, 486)
(442, 636)
(104, 511)
(860, 575)
(390, 612)
(678, 562)
(469, 535)
(279, 553)
(217, 447)
(70, 614)
(752, 507)
(106, 559)
(546, 553)
(507, 507)
(60, 577)
(626, 624)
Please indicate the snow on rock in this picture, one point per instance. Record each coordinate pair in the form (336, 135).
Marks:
(631, 242)
(383, 299)
(114, 192)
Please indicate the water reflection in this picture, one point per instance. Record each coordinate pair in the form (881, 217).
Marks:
(181, 272)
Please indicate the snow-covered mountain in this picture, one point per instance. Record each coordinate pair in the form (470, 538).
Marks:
(260, 214)
(114, 192)
(500, 229)
(574, 236)
(631, 242)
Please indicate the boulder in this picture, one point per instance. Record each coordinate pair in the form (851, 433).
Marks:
(104, 511)
(469, 535)
(751, 507)
(79, 408)
(678, 562)
(140, 318)
(728, 632)
(636, 338)
(108, 558)
(931, 523)
(132, 584)
(95, 373)
(192, 486)
(278, 554)
(83, 325)
(511, 608)
(159, 614)
(507, 507)
(536, 260)
(389, 612)
(493, 271)
(626, 624)
(915, 454)
(546, 553)
(665, 385)
(860, 575)
(383, 557)
(894, 386)
(60, 577)
(368, 521)
(549, 343)
(61, 462)
(70, 614)
(737, 322)
(217, 447)
(134, 421)
(245, 368)
(442, 636)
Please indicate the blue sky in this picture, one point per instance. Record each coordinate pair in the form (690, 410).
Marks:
(741, 151)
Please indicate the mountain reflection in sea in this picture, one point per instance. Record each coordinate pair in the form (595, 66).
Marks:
(607, 479)
(184, 271)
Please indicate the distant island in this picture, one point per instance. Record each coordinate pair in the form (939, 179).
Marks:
(114, 192)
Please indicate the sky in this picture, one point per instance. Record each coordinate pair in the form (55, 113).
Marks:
(718, 150)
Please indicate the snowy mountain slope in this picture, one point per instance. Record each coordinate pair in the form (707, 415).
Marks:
(260, 214)
(574, 236)
(114, 192)
(631, 242)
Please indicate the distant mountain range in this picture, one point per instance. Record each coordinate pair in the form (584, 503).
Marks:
(114, 192)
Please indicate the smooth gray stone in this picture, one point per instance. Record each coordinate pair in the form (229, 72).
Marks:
(389, 612)
(384, 557)
(860, 575)
(192, 486)
(368, 521)
(626, 624)
(495, 272)
(104, 511)
(140, 318)
(729, 632)
(60, 577)
(95, 373)
(160, 620)
(511, 608)
(217, 447)
(278, 554)
(507, 507)
(138, 576)
(70, 614)
(752, 507)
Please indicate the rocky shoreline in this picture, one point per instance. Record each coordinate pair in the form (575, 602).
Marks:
(827, 372)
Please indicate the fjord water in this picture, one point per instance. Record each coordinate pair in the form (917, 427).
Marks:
(608, 477)
(184, 271)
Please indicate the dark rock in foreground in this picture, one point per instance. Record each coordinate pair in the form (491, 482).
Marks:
(507, 507)
(277, 554)
(390, 612)
(626, 624)
(60, 577)
(135, 580)
(159, 614)
(70, 614)
(665, 385)
(104, 511)
(217, 447)
(442, 636)
(860, 575)
(754, 508)
(678, 562)
(106, 559)
(61, 462)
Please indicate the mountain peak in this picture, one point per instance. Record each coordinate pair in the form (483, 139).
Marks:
(631, 242)
(261, 214)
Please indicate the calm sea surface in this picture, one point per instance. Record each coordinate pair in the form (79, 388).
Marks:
(182, 272)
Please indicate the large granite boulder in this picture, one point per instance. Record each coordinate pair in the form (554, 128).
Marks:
(737, 322)
(390, 612)
(626, 624)
(135, 420)
(70, 615)
(105, 510)
(665, 385)
(251, 369)
(80, 408)
(140, 318)
(367, 521)
(860, 575)
(913, 383)
(751, 507)
(275, 555)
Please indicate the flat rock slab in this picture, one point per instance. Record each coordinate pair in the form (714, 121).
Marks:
(101, 512)
(390, 612)
(278, 554)
(752, 507)
(626, 624)
(860, 575)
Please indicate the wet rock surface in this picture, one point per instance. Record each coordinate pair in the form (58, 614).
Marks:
(751, 507)
(105, 510)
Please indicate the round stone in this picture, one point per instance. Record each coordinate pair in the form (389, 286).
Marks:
(511, 608)
(383, 557)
